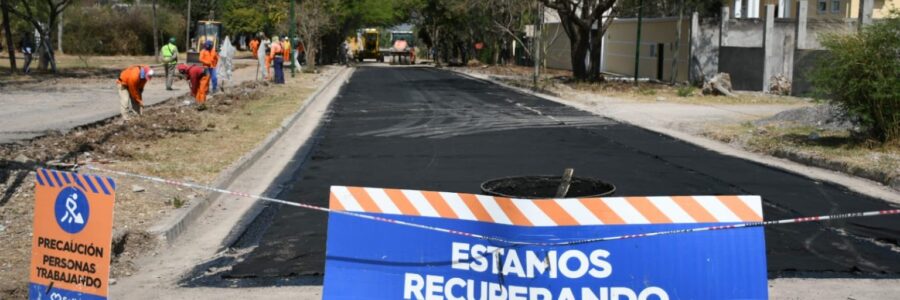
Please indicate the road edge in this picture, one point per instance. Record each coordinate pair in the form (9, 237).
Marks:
(854, 183)
(175, 224)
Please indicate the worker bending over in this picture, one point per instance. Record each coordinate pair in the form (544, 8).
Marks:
(131, 84)
(194, 75)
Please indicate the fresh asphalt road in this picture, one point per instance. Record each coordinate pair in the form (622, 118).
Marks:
(420, 128)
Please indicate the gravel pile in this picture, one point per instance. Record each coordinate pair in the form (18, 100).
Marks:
(822, 116)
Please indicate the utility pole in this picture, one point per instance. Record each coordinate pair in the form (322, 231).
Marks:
(637, 46)
(187, 29)
(536, 47)
(59, 35)
(155, 34)
(292, 31)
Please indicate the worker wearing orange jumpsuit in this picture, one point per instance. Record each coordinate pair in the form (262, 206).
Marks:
(254, 46)
(131, 85)
(193, 74)
(209, 58)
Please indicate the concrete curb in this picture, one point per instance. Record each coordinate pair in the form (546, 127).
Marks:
(177, 222)
(240, 228)
(857, 184)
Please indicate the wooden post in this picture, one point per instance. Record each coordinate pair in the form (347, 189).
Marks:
(565, 183)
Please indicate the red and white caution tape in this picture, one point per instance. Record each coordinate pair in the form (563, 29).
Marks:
(496, 239)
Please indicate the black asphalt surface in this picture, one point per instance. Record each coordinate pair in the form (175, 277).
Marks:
(426, 129)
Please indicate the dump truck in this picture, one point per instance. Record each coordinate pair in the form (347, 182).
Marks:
(369, 48)
(205, 31)
(402, 47)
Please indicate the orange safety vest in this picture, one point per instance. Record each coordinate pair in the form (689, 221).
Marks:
(209, 58)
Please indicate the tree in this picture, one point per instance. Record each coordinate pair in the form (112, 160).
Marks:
(435, 15)
(244, 20)
(509, 17)
(315, 18)
(42, 15)
(577, 17)
(8, 35)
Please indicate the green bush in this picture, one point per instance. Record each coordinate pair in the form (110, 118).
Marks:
(101, 30)
(861, 73)
(646, 91)
(685, 91)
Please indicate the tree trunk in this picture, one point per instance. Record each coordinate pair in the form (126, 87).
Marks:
(8, 35)
(310, 54)
(155, 34)
(495, 60)
(42, 52)
(45, 49)
(596, 44)
(50, 56)
(437, 49)
(187, 29)
(579, 48)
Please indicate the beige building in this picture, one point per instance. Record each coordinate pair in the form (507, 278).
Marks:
(658, 48)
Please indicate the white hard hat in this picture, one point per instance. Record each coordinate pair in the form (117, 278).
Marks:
(150, 73)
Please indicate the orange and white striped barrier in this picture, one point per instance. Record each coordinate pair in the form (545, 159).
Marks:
(549, 212)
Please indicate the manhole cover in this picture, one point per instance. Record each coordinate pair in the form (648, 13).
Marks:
(543, 187)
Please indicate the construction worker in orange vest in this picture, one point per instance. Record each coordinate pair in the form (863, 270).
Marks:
(131, 85)
(254, 46)
(277, 58)
(209, 58)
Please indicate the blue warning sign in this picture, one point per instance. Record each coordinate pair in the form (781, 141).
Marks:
(72, 210)
(374, 259)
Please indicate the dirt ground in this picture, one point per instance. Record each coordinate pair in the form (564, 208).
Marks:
(171, 140)
(38, 103)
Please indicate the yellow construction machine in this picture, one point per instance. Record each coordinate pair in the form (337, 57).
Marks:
(368, 45)
(205, 31)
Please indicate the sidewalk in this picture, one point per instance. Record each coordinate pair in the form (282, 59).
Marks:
(33, 110)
